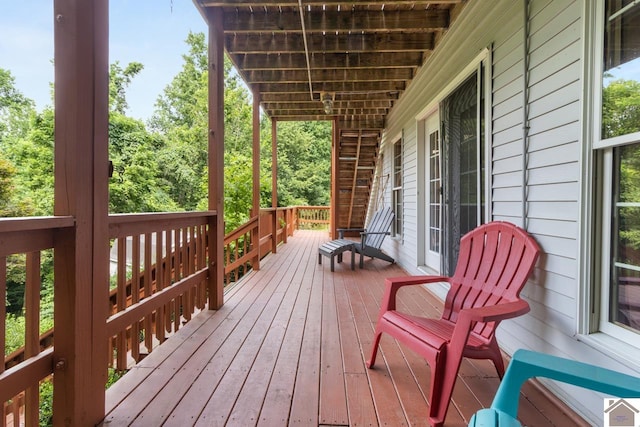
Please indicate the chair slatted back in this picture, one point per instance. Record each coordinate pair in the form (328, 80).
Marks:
(380, 223)
(494, 263)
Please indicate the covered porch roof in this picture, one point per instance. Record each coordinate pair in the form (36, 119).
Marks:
(356, 56)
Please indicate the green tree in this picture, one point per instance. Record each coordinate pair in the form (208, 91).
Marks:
(181, 115)
(15, 108)
(304, 163)
(620, 108)
(119, 81)
(32, 156)
(137, 184)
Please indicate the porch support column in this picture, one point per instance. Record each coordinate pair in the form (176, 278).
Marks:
(216, 158)
(81, 263)
(255, 202)
(274, 188)
(335, 188)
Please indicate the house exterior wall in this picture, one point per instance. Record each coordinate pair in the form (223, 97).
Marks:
(555, 178)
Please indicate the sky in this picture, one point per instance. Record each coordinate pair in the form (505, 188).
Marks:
(151, 32)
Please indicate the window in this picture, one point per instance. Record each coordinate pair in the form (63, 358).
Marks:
(435, 191)
(397, 188)
(618, 149)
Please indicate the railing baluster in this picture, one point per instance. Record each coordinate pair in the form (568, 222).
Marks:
(148, 320)
(160, 267)
(32, 331)
(121, 340)
(166, 281)
(179, 274)
(135, 295)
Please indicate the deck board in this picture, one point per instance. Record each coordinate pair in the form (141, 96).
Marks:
(289, 348)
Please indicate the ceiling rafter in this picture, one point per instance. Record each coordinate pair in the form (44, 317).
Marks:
(288, 21)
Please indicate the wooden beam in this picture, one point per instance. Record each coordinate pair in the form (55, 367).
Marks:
(360, 123)
(329, 75)
(336, 112)
(216, 158)
(381, 103)
(329, 43)
(81, 190)
(297, 97)
(334, 87)
(350, 61)
(334, 20)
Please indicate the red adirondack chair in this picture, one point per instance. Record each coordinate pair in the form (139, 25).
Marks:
(494, 263)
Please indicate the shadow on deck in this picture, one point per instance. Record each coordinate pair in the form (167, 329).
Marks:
(288, 348)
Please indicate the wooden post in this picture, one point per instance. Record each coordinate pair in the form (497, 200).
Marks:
(81, 264)
(274, 186)
(335, 188)
(255, 203)
(216, 158)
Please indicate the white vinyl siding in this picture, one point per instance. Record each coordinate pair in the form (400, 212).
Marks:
(553, 163)
(408, 249)
(556, 93)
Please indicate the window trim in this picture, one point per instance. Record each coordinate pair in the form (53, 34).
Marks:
(397, 190)
(593, 322)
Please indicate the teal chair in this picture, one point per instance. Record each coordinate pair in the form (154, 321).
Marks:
(528, 364)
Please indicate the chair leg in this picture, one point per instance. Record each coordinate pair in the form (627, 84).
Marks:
(444, 374)
(374, 349)
(496, 357)
(439, 399)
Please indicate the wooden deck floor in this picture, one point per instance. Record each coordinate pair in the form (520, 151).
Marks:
(288, 348)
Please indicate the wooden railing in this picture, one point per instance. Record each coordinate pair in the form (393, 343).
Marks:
(312, 217)
(238, 251)
(165, 255)
(159, 284)
(25, 239)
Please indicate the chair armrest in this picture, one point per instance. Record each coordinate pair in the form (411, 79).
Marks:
(341, 231)
(393, 284)
(496, 312)
(527, 364)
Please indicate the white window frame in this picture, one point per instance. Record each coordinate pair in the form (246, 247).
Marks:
(397, 190)
(595, 324)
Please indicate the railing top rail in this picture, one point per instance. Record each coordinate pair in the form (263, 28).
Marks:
(35, 223)
(157, 216)
(312, 207)
(234, 234)
(126, 224)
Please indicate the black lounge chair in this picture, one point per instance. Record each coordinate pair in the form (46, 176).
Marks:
(369, 245)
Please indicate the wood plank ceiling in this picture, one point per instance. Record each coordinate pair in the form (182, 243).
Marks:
(359, 54)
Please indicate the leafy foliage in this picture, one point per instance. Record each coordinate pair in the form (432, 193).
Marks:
(620, 108)
(137, 184)
(119, 81)
(304, 163)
